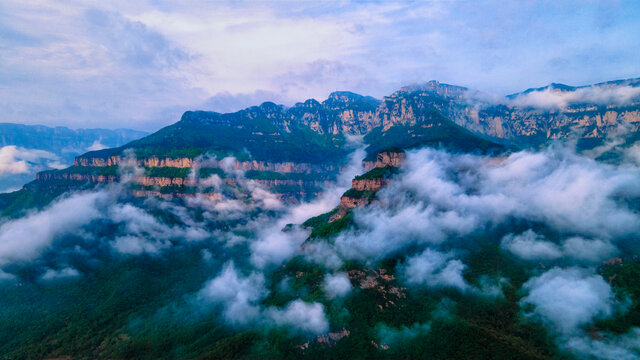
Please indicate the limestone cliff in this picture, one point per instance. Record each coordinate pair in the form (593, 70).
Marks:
(364, 187)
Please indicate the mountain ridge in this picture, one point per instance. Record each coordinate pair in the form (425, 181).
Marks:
(308, 140)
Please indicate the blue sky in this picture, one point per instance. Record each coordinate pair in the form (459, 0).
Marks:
(140, 64)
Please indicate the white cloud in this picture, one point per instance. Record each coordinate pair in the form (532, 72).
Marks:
(96, 145)
(273, 246)
(67, 272)
(135, 245)
(530, 246)
(301, 316)
(626, 346)
(633, 153)
(337, 285)
(144, 63)
(15, 160)
(23, 239)
(568, 299)
(441, 196)
(6, 276)
(239, 296)
(435, 269)
(595, 250)
(600, 95)
(394, 336)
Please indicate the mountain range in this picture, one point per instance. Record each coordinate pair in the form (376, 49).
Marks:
(295, 150)
(438, 222)
(27, 149)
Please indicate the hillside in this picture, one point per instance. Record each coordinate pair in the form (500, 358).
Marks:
(271, 233)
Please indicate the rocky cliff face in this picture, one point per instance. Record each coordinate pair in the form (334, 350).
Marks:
(416, 110)
(369, 184)
(231, 164)
(364, 187)
(553, 112)
(342, 113)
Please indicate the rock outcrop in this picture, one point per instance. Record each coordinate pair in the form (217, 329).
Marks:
(364, 187)
(369, 184)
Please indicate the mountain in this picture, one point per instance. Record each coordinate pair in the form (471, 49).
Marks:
(400, 228)
(61, 140)
(27, 149)
(591, 113)
(296, 151)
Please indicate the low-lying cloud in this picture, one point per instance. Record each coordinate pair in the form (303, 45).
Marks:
(240, 297)
(531, 246)
(435, 269)
(568, 301)
(596, 94)
(16, 160)
(568, 298)
(25, 238)
(337, 285)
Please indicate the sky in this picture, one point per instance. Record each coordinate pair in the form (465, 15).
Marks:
(141, 64)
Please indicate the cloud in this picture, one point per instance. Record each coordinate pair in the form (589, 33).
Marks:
(137, 230)
(301, 316)
(439, 196)
(23, 239)
(158, 59)
(239, 296)
(6, 276)
(15, 160)
(625, 346)
(390, 336)
(337, 285)
(65, 273)
(96, 145)
(273, 245)
(321, 252)
(134, 245)
(435, 269)
(568, 299)
(600, 95)
(530, 246)
(144, 233)
(595, 250)
(9, 163)
(633, 153)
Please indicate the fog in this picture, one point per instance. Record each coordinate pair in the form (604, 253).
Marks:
(557, 213)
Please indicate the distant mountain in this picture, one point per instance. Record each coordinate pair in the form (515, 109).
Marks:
(294, 151)
(27, 149)
(61, 140)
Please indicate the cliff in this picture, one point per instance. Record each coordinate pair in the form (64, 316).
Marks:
(300, 149)
(364, 187)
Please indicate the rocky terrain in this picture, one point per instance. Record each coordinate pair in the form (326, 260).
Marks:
(215, 237)
(296, 151)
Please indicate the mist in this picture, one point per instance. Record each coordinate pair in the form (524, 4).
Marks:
(552, 208)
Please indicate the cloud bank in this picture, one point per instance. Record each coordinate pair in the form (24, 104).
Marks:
(152, 60)
(600, 95)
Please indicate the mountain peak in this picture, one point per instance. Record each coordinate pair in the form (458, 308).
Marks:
(437, 88)
(341, 99)
(344, 96)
